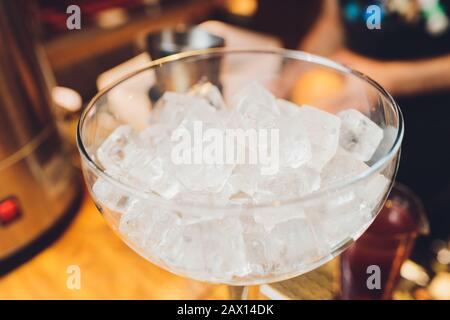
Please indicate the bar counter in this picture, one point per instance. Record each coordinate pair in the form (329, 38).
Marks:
(108, 268)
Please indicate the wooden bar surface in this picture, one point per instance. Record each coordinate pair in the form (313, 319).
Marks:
(108, 269)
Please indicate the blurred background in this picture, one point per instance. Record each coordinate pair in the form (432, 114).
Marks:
(111, 30)
(49, 69)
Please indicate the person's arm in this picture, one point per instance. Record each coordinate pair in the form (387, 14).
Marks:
(325, 36)
(398, 77)
(402, 77)
(421, 76)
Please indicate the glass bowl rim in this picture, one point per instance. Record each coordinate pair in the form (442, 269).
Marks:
(284, 53)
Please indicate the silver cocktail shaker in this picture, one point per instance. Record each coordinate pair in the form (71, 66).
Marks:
(178, 75)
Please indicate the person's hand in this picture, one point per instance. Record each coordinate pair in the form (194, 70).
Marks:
(332, 91)
(329, 90)
(382, 72)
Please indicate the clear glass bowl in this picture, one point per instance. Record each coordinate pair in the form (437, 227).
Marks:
(241, 245)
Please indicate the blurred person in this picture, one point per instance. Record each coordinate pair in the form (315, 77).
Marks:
(409, 55)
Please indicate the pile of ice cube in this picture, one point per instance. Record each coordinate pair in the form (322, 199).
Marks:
(317, 150)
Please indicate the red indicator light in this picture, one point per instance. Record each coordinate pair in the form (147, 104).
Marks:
(9, 210)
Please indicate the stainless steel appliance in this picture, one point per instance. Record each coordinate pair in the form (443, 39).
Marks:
(37, 181)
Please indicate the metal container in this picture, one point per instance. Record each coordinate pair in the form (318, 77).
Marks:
(179, 75)
(37, 182)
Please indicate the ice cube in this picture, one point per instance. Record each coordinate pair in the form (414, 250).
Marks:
(323, 133)
(294, 145)
(195, 172)
(345, 167)
(203, 177)
(139, 160)
(359, 135)
(153, 136)
(256, 241)
(287, 184)
(340, 229)
(294, 242)
(348, 210)
(244, 178)
(145, 225)
(288, 109)
(287, 246)
(110, 196)
(269, 217)
(212, 247)
(173, 107)
(210, 93)
(340, 218)
(204, 194)
(372, 190)
(257, 106)
(240, 199)
(160, 179)
(341, 167)
(112, 151)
